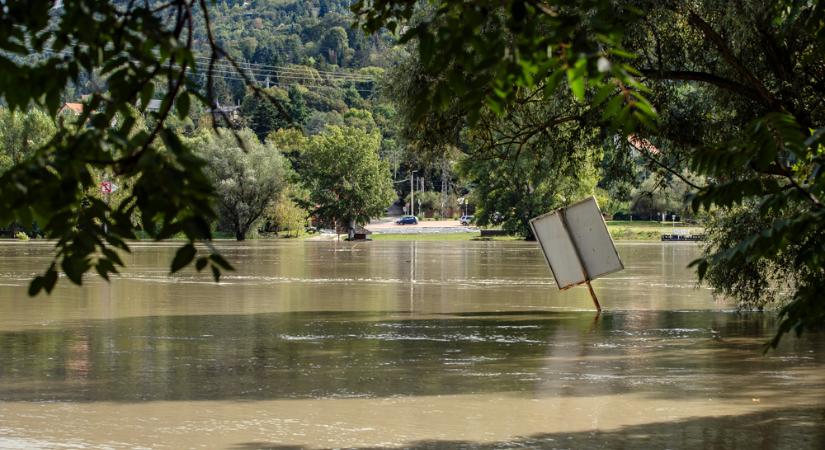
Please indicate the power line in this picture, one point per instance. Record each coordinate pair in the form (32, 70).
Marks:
(224, 70)
(287, 68)
(283, 85)
(286, 75)
(232, 75)
(293, 71)
(262, 68)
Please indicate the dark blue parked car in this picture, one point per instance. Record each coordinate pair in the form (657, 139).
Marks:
(407, 220)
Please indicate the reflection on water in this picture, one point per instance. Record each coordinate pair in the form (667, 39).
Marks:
(428, 344)
(340, 355)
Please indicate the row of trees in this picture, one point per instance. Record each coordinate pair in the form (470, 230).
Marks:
(335, 176)
(198, 61)
(538, 153)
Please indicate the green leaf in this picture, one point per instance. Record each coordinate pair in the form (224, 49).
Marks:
(146, 95)
(172, 141)
(183, 257)
(622, 53)
(495, 105)
(552, 82)
(35, 286)
(74, 268)
(603, 93)
(182, 104)
(113, 256)
(102, 272)
(576, 82)
(220, 261)
(50, 279)
(645, 120)
(613, 107)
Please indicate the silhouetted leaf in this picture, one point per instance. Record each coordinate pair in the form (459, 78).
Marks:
(183, 256)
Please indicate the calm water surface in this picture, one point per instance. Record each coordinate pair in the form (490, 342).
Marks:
(395, 344)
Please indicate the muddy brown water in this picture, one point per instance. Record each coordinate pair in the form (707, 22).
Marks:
(395, 344)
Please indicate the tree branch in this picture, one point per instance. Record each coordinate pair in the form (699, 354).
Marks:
(727, 54)
(805, 193)
(688, 75)
(645, 151)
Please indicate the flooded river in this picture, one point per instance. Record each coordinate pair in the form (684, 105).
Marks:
(395, 344)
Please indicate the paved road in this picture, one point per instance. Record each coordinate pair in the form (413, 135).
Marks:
(388, 225)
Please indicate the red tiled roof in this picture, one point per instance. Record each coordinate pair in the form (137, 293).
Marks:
(642, 144)
(74, 107)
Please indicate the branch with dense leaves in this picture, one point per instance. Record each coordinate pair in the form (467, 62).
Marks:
(141, 51)
(759, 146)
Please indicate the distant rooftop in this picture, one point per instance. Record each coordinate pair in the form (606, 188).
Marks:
(153, 105)
(642, 144)
(76, 108)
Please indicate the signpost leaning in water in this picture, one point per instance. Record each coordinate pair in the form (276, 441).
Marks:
(576, 245)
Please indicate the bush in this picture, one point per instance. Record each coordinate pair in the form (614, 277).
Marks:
(22, 236)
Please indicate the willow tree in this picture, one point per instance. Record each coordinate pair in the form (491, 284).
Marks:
(248, 175)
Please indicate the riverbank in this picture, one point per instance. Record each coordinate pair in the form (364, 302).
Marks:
(619, 230)
(449, 231)
(622, 230)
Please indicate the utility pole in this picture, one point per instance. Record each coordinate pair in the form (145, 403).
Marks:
(444, 186)
(412, 193)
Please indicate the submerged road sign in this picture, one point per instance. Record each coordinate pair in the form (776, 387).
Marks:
(576, 244)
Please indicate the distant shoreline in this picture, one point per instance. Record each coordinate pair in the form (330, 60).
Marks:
(619, 231)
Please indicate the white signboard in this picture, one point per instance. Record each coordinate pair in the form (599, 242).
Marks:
(576, 243)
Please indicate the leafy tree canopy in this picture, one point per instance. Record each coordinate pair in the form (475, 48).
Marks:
(732, 91)
(247, 176)
(147, 73)
(538, 157)
(134, 49)
(21, 133)
(347, 181)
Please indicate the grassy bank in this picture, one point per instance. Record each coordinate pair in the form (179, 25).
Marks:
(647, 231)
(619, 230)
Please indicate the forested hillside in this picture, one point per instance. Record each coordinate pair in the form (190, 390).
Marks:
(324, 72)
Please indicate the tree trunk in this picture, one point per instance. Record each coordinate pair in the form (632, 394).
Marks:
(351, 229)
(240, 235)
